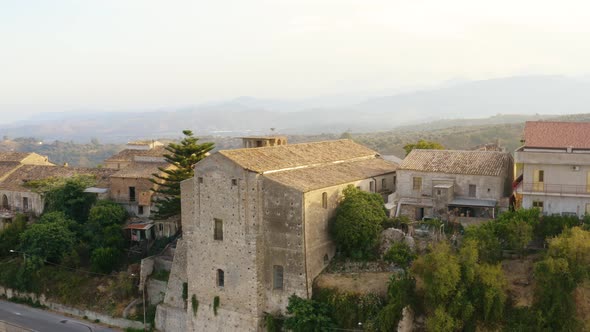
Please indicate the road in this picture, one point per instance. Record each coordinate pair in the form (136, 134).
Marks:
(44, 321)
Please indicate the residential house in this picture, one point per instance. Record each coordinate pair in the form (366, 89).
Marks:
(439, 183)
(137, 151)
(552, 168)
(255, 225)
(131, 186)
(18, 197)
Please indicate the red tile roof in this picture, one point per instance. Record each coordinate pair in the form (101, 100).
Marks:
(547, 134)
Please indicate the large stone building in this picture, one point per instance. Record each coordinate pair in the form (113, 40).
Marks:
(436, 183)
(255, 224)
(553, 168)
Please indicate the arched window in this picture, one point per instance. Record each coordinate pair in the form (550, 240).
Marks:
(220, 278)
(5, 202)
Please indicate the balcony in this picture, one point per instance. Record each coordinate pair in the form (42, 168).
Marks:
(554, 189)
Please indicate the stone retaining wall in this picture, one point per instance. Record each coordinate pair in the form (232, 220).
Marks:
(80, 313)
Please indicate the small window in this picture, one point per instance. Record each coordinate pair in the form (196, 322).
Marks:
(25, 204)
(161, 227)
(383, 184)
(131, 194)
(538, 205)
(140, 209)
(234, 182)
(200, 179)
(372, 186)
(541, 175)
(218, 232)
(325, 200)
(277, 277)
(438, 192)
(220, 278)
(394, 180)
(417, 183)
(472, 190)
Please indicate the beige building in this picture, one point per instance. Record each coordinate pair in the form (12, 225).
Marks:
(436, 183)
(553, 168)
(131, 187)
(255, 224)
(143, 151)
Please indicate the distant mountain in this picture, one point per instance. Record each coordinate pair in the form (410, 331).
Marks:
(443, 107)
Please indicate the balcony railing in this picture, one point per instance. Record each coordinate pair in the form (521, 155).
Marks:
(555, 188)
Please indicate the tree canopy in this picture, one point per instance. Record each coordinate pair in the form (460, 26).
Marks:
(182, 156)
(357, 223)
(423, 144)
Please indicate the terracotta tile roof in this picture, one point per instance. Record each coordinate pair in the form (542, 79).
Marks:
(490, 163)
(297, 155)
(13, 156)
(129, 154)
(548, 134)
(139, 170)
(17, 179)
(312, 178)
(8, 166)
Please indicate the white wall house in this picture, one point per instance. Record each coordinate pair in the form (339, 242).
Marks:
(552, 169)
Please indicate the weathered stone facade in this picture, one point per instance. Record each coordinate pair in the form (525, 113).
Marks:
(465, 183)
(255, 237)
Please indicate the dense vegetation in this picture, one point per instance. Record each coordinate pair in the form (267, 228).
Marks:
(357, 223)
(463, 287)
(74, 232)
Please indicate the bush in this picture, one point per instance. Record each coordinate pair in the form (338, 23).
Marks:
(307, 315)
(105, 260)
(357, 223)
(550, 226)
(10, 235)
(400, 254)
(50, 241)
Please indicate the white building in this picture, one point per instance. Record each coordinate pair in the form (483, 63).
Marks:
(553, 168)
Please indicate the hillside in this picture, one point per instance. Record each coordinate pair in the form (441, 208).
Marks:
(477, 100)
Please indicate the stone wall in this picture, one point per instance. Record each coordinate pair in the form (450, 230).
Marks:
(171, 314)
(90, 315)
(15, 201)
(230, 194)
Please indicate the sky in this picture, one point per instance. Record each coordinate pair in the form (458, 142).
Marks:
(125, 55)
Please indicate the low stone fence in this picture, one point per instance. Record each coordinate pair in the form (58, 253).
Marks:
(84, 314)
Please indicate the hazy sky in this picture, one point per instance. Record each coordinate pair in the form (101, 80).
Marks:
(58, 55)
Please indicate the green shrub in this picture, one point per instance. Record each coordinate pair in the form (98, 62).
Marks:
(215, 304)
(273, 323)
(400, 254)
(357, 223)
(105, 260)
(161, 275)
(308, 315)
(195, 304)
(50, 241)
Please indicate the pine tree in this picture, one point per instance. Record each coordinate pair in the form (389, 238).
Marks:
(182, 157)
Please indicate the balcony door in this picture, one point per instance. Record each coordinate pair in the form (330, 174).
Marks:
(539, 180)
